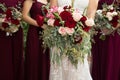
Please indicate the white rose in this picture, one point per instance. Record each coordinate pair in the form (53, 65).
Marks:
(89, 22)
(114, 13)
(99, 11)
(109, 16)
(76, 16)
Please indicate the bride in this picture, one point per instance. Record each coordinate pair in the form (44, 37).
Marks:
(66, 71)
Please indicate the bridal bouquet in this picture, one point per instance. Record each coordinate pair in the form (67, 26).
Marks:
(10, 19)
(67, 34)
(107, 20)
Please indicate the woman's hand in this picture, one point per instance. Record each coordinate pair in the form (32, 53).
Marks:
(26, 10)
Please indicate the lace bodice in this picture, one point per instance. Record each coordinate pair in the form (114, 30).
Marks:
(78, 4)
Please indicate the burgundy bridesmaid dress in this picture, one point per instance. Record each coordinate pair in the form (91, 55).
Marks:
(106, 55)
(11, 51)
(37, 62)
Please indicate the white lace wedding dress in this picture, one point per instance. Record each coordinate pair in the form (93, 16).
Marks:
(66, 71)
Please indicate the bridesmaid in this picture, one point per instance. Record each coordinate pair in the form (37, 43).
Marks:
(36, 60)
(11, 51)
(106, 55)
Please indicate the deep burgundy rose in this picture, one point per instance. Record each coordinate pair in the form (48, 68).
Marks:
(5, 25)
(83, 19)
(67, 7)
(70, 23)
(45, 11)
(111, 10)
(57, 22)
(8, 13)
(40, 20)
(15, 21)
(114, 21)
(65, 15)
(87, 28)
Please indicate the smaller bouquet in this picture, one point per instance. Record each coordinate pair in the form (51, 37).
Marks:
(67, 33)
(10, 19)
(107, 20)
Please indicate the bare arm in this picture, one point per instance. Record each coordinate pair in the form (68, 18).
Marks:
(53, 3)
(92, 7)
(26, 9)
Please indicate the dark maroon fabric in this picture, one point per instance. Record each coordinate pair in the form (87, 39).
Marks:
(104, 1)
(106, 56)
(37, 62)
(11, 51)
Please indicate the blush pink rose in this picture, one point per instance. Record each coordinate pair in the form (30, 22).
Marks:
(50, 15)
(50, 22)
(69, 31)
(54, 9)
(62, 31)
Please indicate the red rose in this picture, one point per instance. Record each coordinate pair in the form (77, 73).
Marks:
(83, 19)
(15, 21)
(5, 25)
(65, 15)
(8, 13)
(111, 10)
(70, 23)
(57, 22)
(67, 7)
(87, 28)
(114, 21)
(40, 20)
(45, 11)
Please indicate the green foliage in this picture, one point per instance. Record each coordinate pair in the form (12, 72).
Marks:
(25, 27)
(65, 45)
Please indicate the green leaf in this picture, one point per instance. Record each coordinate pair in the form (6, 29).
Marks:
(102, 37)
